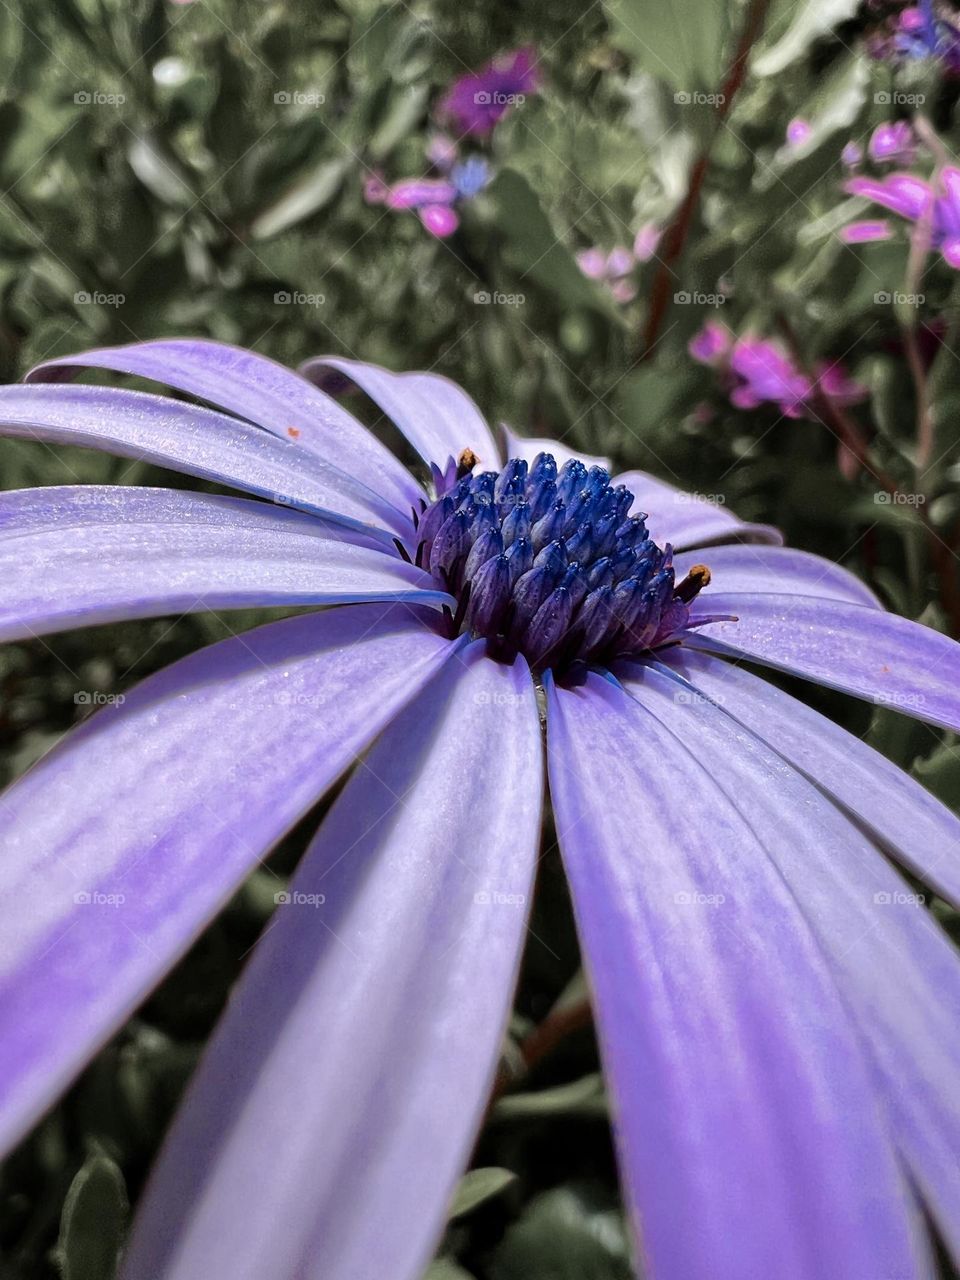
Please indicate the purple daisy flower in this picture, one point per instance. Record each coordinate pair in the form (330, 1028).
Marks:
(914, 199)
(476, 103)
(779, 1020)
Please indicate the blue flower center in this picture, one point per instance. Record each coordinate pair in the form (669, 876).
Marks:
(547, 562)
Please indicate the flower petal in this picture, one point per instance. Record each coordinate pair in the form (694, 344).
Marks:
(689, 519)
(436, 416)
(900, 192)
(338, 1102)
(128, 837)
(744, 1101)
(898, 973)
(93, 554)
(898, 812)
(875, 655)
(527, 447)
(262, 392)
(781, 570)
(865, 232)
(200, 442)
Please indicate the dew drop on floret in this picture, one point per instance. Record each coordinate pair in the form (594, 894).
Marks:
(548, 562)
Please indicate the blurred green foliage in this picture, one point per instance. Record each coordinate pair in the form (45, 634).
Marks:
(196, 168)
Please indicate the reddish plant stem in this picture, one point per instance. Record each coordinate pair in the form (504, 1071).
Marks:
(848, 431)
(543, 1039)
(676, 235)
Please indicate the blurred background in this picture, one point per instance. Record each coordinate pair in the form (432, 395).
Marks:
(642, 247)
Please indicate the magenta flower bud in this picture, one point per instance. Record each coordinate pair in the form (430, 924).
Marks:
(798, 131)
(619, 261)
(440, 220)
(712, 344)
(646, 241)
(593, 263)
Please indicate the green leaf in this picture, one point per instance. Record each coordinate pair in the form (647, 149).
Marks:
(570, 1233)
(583, 1097)
(93, 1221)
(535, 250)
(940, 773)
(159, 173)
(406, 108)
(477, 1186)
(447, 1269)
(680, 41)
(809, 21)
(833, 107)
(302, 200)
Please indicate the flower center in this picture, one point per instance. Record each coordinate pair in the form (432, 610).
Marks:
(547, 562)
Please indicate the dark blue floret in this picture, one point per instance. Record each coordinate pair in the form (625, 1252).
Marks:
(547, 562)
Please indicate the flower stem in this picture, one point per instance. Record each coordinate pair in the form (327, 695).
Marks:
(679, 229)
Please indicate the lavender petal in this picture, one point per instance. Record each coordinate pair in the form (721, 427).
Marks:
(338, 1102)
(436, 416)
(781, 570)
(527, 448)
(744, 1102)
(689, 519)
(898, 973)
(871, 654)
(901, 814)
(129, 836)
(261, 391)
(90, 554)
(200, 442)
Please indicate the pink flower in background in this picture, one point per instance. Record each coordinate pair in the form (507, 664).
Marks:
(852, 155)
(375, 190)
(837, 385)
(440, 220)
(893, 143)
(610, 269)
(647, 241)
(476, 103)
(593, 263)
(433, 199)
(758, 371)
(798, 132)
(914, 199)
(442, 152)
(766, 373)
(713, 344)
